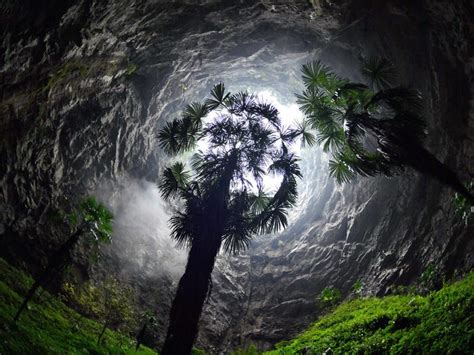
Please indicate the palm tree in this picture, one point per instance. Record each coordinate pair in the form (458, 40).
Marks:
(91, 219)
(369, 132)
(223, 197)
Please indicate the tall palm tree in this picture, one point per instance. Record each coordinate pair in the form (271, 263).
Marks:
(91, 219)
(370, 130)
(223, 197)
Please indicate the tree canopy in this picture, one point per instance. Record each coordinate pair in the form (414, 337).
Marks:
(243, 140)
(370, 128)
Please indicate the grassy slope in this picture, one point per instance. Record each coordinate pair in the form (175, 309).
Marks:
(49, 326)
(440, 323)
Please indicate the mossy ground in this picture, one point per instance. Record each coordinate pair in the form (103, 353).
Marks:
(49, 326)
(439, 323)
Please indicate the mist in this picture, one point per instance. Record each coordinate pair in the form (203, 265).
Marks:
(141, 239)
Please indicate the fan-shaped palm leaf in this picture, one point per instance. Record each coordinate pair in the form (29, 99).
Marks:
(380, 72)
(340, 170)
(168, 137)
(218, 97)
(304, 130)
(174, 178)
(316, 74)
(97, 218)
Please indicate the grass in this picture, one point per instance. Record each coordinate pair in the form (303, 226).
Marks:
(49, 326)
(439, 323)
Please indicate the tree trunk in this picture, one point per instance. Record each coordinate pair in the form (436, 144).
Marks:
(194, 284)
(55, 263)
(106, 323)
(190, 296)
(426, 163)
(140, 336)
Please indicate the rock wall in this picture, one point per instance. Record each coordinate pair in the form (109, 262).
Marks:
(86, 85)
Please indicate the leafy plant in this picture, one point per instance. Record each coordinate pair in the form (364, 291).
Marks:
(131, 69)
(222, 194)
(148, 320)
(329, 297)
(358, 288)
(249, 350)
(380, 72)
(463, 208)
(111, 303)
(431, 279)
(91, 220)
(368, 132)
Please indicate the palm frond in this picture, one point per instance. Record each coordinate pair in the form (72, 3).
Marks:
(340, 170)
(271, 220)
(259, 202)
(168, 137)
(316, 74)
(332, 138)
(218, 97)
(173, 179)
(182, 230)
(380, 72)
(307, 137)
(196, 112)
(98, 219)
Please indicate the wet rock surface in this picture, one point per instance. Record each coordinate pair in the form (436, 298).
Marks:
(86, 85)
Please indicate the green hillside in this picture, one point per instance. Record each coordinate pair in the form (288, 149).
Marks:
(49, 326)
(439, 323)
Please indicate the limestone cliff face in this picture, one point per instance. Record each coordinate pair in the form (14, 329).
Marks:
(85, 86)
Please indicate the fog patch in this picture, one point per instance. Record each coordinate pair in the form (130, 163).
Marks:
(141, 238)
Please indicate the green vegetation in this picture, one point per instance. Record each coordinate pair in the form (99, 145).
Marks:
(462, 207)
(66, 73)
(49, 326)
(370, 128)
(111, 303)
(92, 222)
(441, 322)
(131, 69)
(329, 297)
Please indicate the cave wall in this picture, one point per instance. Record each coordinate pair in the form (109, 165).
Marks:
(85, 86)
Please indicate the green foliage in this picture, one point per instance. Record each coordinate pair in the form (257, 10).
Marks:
(361, 129)
(250, 350)
(462, 207)
(358, 288)
(380, 72)
(197, 351)
(131, 69)
(96, 219)
(329, 297)
(245, 141)
(66, 72)
(439, 323)
(430, 279)
(50, 327)
(111, 302)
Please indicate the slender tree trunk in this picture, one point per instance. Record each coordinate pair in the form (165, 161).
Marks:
(426, 163)
(106, 323)
(190, 296)
(55, 263)
(140, 336)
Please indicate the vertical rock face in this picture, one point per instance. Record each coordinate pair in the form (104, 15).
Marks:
(85, 86)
